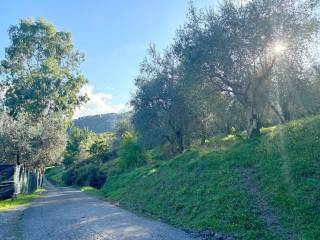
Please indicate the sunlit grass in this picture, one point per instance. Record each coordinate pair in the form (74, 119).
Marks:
(230, 138)
(20, 200)
(152, 171)
(91, 191)
(87, 189)
(221, 142)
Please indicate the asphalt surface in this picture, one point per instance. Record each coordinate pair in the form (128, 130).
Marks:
(65, 213)
(9, 224)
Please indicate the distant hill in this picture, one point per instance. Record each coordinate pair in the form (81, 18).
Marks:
(100, 123)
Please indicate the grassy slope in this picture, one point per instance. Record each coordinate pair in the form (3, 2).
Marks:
(204, 189)
(22, 199)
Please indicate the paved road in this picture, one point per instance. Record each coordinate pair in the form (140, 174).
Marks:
(9, 224)
(66, 213)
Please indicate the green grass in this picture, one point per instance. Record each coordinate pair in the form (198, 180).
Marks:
(20, 200)
(54, 175)
(203, 188)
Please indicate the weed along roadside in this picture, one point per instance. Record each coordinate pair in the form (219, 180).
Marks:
(20, 200)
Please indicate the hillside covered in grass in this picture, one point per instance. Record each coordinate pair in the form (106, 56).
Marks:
(264, 188)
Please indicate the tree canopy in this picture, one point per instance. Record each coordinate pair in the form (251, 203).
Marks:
(34, 144)
(239, 47)
(239, 66)
(40, 82)
(40, 72)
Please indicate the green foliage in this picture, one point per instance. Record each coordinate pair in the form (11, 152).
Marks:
(41, 70)
(245, 63)
(161, 111)
(101, 145)
(203, 189)
(35, 144)
(131, 154)
(225, 70)
(84, 155)
(121, 128)
(86, 173)
(77, 143)
(54, 174)
(83, 144)
(89, 176)
(40, 81)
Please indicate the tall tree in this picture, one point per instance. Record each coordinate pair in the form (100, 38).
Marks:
(238, 47)
(40, 72)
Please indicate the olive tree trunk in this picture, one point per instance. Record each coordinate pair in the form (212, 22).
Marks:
(253, 126)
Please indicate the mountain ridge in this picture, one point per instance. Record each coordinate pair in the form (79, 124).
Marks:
(101, 122)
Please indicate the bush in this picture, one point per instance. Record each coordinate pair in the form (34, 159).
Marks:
(131, 154)
(88, 174)
(108, 156)
(69, 177)
(68, 161)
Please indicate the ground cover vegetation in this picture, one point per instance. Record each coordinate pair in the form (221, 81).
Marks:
(21, 200)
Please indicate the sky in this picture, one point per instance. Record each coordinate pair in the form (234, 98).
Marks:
(113, 34)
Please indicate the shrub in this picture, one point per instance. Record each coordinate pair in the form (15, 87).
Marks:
(108, 156)
(99, 147)
(84, 175)
(131, 154)
(69, 177)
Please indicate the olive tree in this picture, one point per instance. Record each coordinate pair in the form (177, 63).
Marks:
(34, 144)
(238, 47)
(161, 113)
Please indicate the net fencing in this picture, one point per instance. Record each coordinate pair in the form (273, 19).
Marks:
(16, 179)
(6, 181)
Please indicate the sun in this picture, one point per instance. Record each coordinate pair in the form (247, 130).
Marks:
(279, 47)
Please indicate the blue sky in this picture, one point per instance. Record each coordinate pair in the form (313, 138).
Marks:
(113, 34)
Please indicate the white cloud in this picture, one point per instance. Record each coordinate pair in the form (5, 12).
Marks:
(106, 88)
(98, 103)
